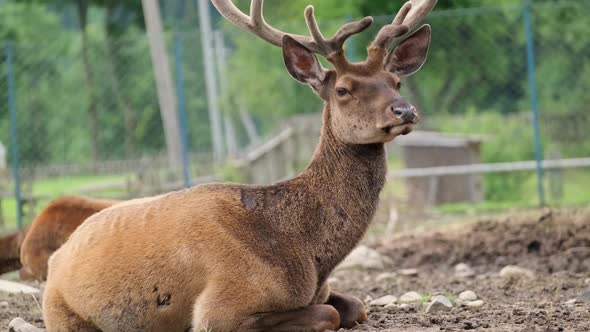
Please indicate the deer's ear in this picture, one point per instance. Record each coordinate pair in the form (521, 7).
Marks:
(302, 63)
(409, 56)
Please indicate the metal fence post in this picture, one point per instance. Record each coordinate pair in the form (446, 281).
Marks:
(181, 109)
(530, 51)
(9, 52)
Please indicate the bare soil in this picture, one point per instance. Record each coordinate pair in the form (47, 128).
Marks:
(553, 244)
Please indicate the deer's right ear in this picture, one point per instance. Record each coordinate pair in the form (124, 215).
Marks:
(302, 63)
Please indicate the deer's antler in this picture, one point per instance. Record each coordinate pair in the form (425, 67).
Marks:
(407, 18)
(316, 43)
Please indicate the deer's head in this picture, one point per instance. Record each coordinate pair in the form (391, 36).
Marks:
(364, 99)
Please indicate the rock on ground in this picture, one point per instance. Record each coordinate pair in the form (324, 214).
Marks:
(384, 300)
(439, 303)
(467, 296)
(20, 325)
(410, 297)
(475, 304)
(363, 257)
(15, 287)
(513, 271)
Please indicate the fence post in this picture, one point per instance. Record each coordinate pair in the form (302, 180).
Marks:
(530, 51)
(8, 52)
(181, 109)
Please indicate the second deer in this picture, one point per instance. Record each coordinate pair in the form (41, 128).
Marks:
(231, 257)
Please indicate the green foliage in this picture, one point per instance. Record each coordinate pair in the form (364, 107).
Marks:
(506, 138)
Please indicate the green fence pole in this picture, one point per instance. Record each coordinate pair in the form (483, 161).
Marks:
(530, 51)
(8, 52)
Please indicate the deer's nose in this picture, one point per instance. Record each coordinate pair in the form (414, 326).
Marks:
(406, 113)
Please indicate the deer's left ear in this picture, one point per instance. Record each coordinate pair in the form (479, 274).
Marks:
(409, 56)
(302, 64)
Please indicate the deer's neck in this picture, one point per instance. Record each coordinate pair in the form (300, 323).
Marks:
(344, 181)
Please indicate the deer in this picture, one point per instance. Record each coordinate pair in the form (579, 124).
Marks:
(29, 249)
(237, 257)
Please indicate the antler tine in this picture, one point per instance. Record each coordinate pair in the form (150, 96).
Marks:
(408, 17)
(336, 43)
(316, 43)
(256, 24)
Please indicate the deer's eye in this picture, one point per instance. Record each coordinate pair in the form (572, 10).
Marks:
(342, 91)
(398, 85)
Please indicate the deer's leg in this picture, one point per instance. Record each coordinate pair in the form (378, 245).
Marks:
(314, 318)
(351, 309)
(60, 318)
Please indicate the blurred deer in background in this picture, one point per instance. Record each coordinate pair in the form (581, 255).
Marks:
(231, 257)
(29, 249)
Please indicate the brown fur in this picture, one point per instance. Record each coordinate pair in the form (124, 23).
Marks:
(51, 228)
(231, 257)
(30, 248)
(10, 251)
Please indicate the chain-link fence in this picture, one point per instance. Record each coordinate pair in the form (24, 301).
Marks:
(86, 116)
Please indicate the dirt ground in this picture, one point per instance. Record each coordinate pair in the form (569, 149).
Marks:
(554, 244)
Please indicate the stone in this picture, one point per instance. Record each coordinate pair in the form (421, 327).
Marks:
(584, 297)
(467, 296)
(463, 270)
(439, 303)
(15, 287)
(20, 325)
(475, 304)
(571, 302)
(408, 272)
(385, 276)
(587, 281)
(333, 280)
(3, 305)
(384, 300)
(513, 271)
(410, 297)
(365, 258)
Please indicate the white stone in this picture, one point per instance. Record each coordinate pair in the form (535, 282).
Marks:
(513, 271)
(587, 281)
(333, 280)
(15, 287)
(571, 302)
(463, 270)
(363, 257)
(410, 297)
(475, 304)
(4, 305)
(467, 296)
(385, 276)
(19, 325)
(439, 303)
(408, 272)
(383, 301)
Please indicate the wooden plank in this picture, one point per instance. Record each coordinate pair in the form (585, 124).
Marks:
(489, 168)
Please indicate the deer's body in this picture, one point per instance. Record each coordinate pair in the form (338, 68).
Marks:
(270, 247)
(229, 257)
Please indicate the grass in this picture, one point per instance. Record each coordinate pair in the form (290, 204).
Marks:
(50, 189)
(576, 191)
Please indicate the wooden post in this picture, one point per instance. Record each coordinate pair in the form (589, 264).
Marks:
(164, 83)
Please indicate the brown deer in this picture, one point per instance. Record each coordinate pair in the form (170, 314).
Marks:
(30, 248)
(231, 257)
